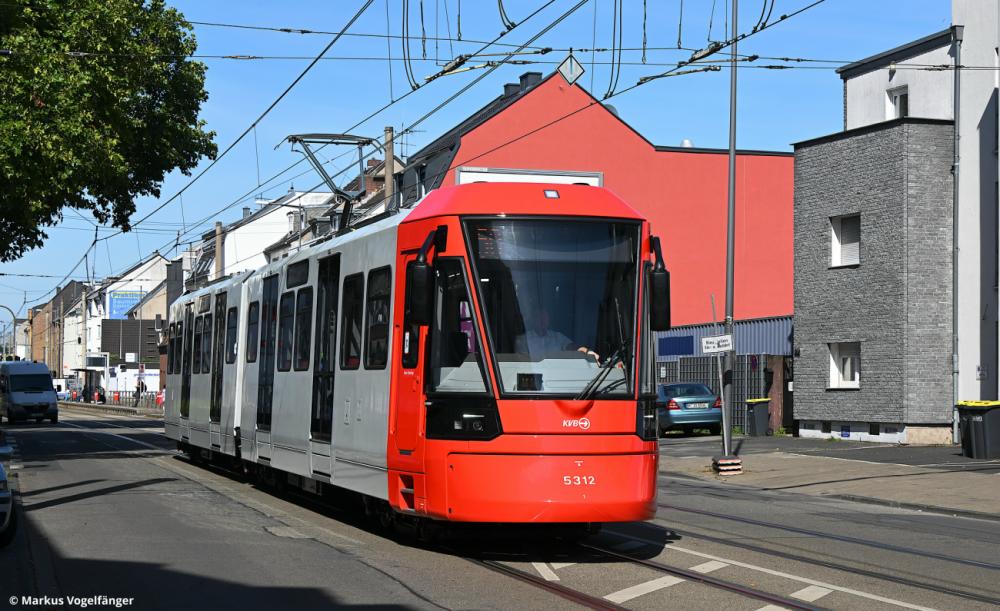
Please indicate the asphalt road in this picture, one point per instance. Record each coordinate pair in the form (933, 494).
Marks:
(109, 509)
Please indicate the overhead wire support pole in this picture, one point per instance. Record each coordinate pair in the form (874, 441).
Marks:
(727, 391)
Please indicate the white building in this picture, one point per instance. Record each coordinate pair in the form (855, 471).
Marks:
(244, 241)
(916, 80)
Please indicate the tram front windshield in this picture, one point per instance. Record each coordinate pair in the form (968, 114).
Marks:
(559, 303)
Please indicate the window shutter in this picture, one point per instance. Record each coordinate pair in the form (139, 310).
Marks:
(850, 240)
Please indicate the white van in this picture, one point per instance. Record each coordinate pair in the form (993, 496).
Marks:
(26, 392)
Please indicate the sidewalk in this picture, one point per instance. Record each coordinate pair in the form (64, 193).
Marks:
(957, 488)
(110, 409)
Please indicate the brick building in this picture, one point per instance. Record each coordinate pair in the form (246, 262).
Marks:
(872, 281)
(896, 242)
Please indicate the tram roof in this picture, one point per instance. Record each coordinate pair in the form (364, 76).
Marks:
(523, 199)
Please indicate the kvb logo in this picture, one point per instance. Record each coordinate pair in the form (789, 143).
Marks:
(582, 423)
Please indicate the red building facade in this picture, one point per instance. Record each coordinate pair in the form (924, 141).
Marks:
(548, 124)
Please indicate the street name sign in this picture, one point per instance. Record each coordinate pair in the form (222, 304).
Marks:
(718, 343)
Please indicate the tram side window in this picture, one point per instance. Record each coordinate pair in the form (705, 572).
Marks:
(353, 313)
(171, 347)
(286, 321)
(377, 323)
(196, 367)
(253, 330)
(206, 344)
(232, 319)
(303, 327)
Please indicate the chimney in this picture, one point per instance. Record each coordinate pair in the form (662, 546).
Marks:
(511, 89)
(246, 211)
(374, 162)
(530, 79)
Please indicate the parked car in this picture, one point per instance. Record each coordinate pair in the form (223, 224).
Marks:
(688, 406)
(26, 392)
(8, 519)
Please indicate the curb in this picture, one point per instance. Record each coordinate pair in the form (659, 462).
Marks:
(110, 409)
(935, 509)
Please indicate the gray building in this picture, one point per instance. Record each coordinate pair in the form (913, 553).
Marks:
(874, 209)
(872, 282)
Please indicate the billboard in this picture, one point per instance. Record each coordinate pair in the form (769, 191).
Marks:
(120, 302)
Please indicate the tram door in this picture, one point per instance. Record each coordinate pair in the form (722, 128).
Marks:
(188, 331)
(321, 428)
(268, 341)
(218, 349)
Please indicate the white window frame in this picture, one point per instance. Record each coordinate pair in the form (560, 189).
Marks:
(845, 364)
(893, 96)
(836, 242)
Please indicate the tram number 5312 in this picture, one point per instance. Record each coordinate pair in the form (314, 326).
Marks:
(579, 480)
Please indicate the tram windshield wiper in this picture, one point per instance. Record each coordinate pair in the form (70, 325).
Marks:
(590, 389)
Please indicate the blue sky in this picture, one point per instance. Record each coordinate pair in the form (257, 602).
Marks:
(776, 107)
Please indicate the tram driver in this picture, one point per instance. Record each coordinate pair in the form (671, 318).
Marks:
(541, 340)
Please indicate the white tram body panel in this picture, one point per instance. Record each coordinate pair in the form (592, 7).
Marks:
(253, 352)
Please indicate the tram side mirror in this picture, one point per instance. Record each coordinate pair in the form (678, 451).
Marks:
(659, 299)
(419, 292)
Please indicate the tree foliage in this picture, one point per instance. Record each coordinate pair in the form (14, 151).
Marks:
(98, 102)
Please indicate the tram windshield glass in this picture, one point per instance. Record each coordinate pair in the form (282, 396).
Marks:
(559, 303)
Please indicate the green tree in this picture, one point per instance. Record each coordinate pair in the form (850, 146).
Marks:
(98, 102)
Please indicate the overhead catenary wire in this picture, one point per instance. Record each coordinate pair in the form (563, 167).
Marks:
(507, 23)
(783, 17)
(644, 41)
(378, 111)
(270, 107)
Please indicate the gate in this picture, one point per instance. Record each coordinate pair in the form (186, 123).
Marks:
(748, 379)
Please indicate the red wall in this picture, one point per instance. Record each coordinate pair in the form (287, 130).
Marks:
(682, 193)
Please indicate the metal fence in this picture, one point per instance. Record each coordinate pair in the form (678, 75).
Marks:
(124, 399)
(748, 378)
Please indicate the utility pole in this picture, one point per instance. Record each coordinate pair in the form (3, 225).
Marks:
(62, 334)
(727, 392)
(218, 250)
(389, 169)
(85, 306)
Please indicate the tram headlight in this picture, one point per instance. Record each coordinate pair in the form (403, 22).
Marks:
(474, 419)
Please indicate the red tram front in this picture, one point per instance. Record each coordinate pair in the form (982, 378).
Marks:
(523, 383)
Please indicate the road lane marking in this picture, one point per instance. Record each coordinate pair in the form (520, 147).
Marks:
(643, 588)
(811, 593)
(771, 608)
(560, 565)
(136, 441)
(806, 580)
(544, 570)
(708, 567)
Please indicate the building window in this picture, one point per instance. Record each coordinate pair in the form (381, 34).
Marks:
(377, 327)
(845, 365)
(303, 328)
(286, 322)
(846, 240)
(253, 328)
(899, 103)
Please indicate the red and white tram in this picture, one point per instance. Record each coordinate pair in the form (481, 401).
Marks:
(484, 356)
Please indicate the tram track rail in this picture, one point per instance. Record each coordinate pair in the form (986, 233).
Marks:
(938, 589)
(594, 602)
(834, 537)
(715, 582)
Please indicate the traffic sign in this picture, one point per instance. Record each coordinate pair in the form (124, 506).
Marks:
(571, 69)
(718, 343)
